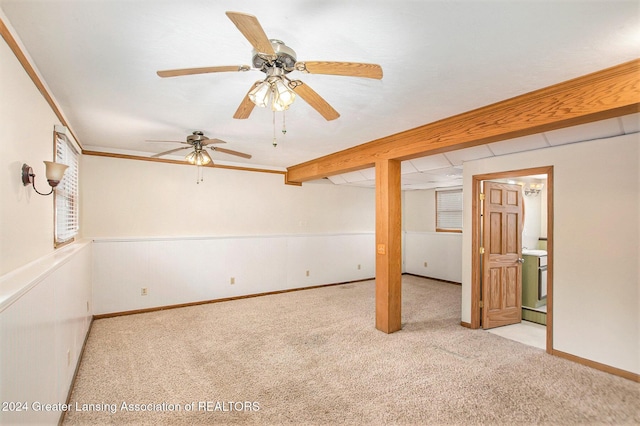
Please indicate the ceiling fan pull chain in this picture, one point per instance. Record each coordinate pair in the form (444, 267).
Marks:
(284, 124)
(199, 175)
(275, 141)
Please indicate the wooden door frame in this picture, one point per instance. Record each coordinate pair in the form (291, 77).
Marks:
(476, 294)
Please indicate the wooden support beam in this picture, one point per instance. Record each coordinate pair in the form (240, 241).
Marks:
(388, 246)
(604, 94)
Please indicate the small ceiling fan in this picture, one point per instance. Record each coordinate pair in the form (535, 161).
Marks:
(277, 60)
(197, 141)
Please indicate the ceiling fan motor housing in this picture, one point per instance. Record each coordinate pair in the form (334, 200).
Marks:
(285, 58)
(196, 137)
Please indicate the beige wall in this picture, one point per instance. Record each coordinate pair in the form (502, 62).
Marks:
(127, 198)
(26, 136)
(596, 247)
(419, 210)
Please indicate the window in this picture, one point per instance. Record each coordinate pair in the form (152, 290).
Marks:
(66, 193)
(449, 210)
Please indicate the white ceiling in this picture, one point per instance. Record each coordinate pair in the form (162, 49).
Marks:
(440, 58)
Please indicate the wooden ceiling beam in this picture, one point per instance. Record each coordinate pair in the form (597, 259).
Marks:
(609, 93)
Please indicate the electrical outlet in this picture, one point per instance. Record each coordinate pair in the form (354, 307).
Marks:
(358, 266)
(233, 280)
(425, 264)
(307, 273)
(144, 291)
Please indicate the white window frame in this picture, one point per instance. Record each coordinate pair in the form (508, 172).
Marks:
(65, 199)
(449, 210)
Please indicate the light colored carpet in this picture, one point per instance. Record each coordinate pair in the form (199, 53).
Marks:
(314, 357)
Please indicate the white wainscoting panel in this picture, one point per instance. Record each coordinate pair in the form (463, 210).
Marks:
(330, 259)
(441, 250)
(187, 270)
(42, 330)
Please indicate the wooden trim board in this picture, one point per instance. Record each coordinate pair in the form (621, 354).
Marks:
(225, 299)
(598, 366)
(184, 163)
(433, 279)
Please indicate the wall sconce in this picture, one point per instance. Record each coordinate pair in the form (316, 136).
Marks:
(54, 173)
(532, 189)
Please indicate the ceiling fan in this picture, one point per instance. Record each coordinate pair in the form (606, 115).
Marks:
(277, 60)
(197, 141)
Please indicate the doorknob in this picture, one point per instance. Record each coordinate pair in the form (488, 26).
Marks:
(520, 260)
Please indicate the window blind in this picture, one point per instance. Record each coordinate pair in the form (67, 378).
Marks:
(449, 210)
(66, 193)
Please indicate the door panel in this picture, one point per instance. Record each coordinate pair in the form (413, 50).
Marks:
(512, 238)
(495, 290)
(511, 297)
(502, 240)
(495, 241)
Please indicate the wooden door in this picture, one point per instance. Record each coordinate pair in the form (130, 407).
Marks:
(503, 214)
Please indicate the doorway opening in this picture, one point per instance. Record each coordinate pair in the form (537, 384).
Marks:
(534, 249)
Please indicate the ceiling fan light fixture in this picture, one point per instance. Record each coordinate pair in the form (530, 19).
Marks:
(197, 158)
(283, 97)
(261, 94)
(191, 157)
(198, 154)
(272, 93)
(202, 160)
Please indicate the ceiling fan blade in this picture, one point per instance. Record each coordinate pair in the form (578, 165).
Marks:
(350, 69)
(169, 152)
(229, 151)
(252, 31)
(202, 70)
(212, 141)
(316, 101)
(155, 141)
(246, 106)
